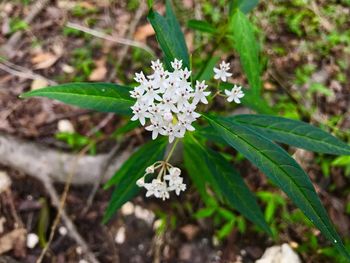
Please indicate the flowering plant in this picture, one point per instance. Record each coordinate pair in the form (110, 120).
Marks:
(170, 100)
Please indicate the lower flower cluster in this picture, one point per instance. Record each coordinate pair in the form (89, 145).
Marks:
(168, 180)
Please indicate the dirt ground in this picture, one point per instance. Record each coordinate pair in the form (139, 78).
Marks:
(44, 51)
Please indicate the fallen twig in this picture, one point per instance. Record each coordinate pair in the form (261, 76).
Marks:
(40, 161)
(72, 231)
(21, 72)
(114, 39)
(60, 209)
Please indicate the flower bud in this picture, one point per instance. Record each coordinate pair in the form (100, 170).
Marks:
(150, 169)
(140, 182)
(168, 116)
(174, 171)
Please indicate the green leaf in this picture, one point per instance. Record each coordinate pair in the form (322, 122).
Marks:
(293, 132)
(175, 26)
(226, 229)
(200, 174)
(133, 169)
(247, 48)
(227, 182)
(205, 212)
(169, 36)
(282, 170)
(244, 5)
(201, 25)
(105, 97)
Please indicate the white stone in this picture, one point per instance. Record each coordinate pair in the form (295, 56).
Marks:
(120, 236)
(65, 126)
(279, 254)
(63, 231)
(32, 240)
(5, 181)
(128, 209)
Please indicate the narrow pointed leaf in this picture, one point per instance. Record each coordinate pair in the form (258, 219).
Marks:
(105, 97)
(282, 170)
(247, 48)
(133, 169)
(202, 26)
(293, 132)
(169, 36)
(199, 173)
(174, 24)
(229, 183)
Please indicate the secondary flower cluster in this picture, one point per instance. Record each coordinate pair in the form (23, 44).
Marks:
(222, 73)
(168, 100)
(168, 180)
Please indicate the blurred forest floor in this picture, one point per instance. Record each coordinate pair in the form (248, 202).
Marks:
(306, 57)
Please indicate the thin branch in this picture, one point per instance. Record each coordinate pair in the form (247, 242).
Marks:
(21, 72)
(118, 40)
(72, 231)
(61, 204)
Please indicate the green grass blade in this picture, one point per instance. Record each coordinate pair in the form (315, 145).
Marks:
(247, 48)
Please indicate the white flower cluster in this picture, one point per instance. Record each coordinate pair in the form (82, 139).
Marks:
(168, 180)
(222, 73)
(168, 100)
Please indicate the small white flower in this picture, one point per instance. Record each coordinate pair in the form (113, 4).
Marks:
(168, 116)
(157, 188)
(155, 128)
(175, 171)
(235, 94)
(157, 65)
(150, 169)
(176, 64)
(141, 182)
(222, 72)
(177, 186)
(200, 93)
(140, 77)
(140, 113)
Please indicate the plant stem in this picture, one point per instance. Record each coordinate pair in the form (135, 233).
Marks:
(172, 150)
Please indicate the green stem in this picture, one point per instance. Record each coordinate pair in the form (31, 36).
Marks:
(172, 150)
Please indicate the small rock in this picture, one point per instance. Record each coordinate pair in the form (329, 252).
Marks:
(65, 126)
(32, 240)
(67, 69)
(120, 236)
(63, 231)
(279, 254)
(5, 182)
(38, 84)
(127, 209)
